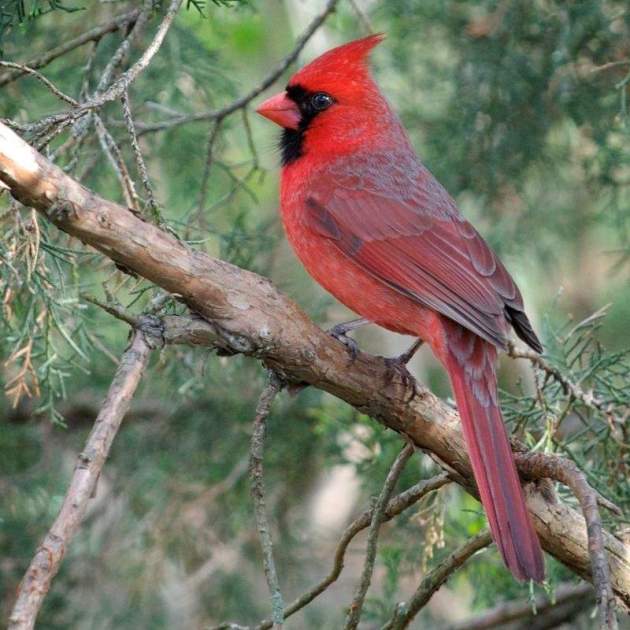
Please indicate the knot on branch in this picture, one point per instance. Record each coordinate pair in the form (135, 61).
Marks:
(152, 327)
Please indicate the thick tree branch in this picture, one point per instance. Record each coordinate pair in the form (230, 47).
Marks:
(248, 315)
(46, 562)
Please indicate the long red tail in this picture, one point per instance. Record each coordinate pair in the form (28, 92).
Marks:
(470, 362)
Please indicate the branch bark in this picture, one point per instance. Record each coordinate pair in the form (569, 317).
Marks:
(47, 559)
(247, 314)
(524, 611)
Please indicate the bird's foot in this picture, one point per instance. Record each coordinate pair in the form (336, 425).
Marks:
(340, 333)
(397, 366)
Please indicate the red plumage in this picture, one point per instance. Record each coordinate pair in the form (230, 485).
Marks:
(377, 230)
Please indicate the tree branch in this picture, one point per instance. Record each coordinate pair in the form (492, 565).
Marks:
(248, 315)
(243, 101)
(397, 505)
(405, 613)
(528, 611)
(378, 516)
(256, 451)
(94, 34)
(540, 465)
(47, 559)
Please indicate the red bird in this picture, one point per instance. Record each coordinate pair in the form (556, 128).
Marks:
(378, 231)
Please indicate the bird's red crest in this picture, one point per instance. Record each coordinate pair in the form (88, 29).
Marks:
(339, 64)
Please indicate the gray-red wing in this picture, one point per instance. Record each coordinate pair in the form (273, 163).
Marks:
(393, 218)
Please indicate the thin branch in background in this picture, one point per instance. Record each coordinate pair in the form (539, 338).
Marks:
(117, 23)
(256, 451)
(140, 164)
(203, 189)
(45, 564)
(114, 155)
(250, 139)
(540, 465)
(116, 89)
(528, 611)
(122, 52)
(405, 612)
(40, 77)
(244, 100)
(570, 388)
(397, 505)
(356, 607)
(363, 18)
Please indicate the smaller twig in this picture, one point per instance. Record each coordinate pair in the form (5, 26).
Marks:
(47, 560)
(140, 164)
(114, 309)
(120, 55)
(244, 100)
(525, 611)
(115, 157)
(205, 177)
(363, 18)
(569, 388)
(263, 408)
(40, 77)
(405, 612)
(540, 465)
(250, 138)
(397, 505)
(356, 607)
(120, 21)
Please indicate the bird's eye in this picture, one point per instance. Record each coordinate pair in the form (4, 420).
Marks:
(321, 101)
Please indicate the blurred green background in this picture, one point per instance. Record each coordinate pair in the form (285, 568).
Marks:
(518, 107)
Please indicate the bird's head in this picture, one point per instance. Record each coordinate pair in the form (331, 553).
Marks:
(329, 105)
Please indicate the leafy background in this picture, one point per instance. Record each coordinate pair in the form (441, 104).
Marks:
(519, 108)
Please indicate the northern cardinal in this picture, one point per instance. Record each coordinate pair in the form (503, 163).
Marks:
(373, 226)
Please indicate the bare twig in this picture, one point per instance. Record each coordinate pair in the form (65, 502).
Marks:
(119, 22)
(140, 164)
(397, 505)
(540, 465)
(203, 188)
(116, 89)
(356, 607)
(258, 494)
(47, 559)
(114, 155)
(570, 388)
(405, 612)
(244, 100)
(367, 25)
(525, 611)
(120, 55)
(40, 77)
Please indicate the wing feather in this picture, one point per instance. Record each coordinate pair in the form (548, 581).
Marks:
(391, 216)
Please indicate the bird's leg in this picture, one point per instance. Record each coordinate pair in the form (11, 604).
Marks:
(340, 333)
(398, 365)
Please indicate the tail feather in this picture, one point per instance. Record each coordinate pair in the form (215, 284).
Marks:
(471, 365)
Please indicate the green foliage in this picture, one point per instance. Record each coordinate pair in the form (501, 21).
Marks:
(520, 108)
(16, 12)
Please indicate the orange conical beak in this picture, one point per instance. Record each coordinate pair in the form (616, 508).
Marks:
(281, 110)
